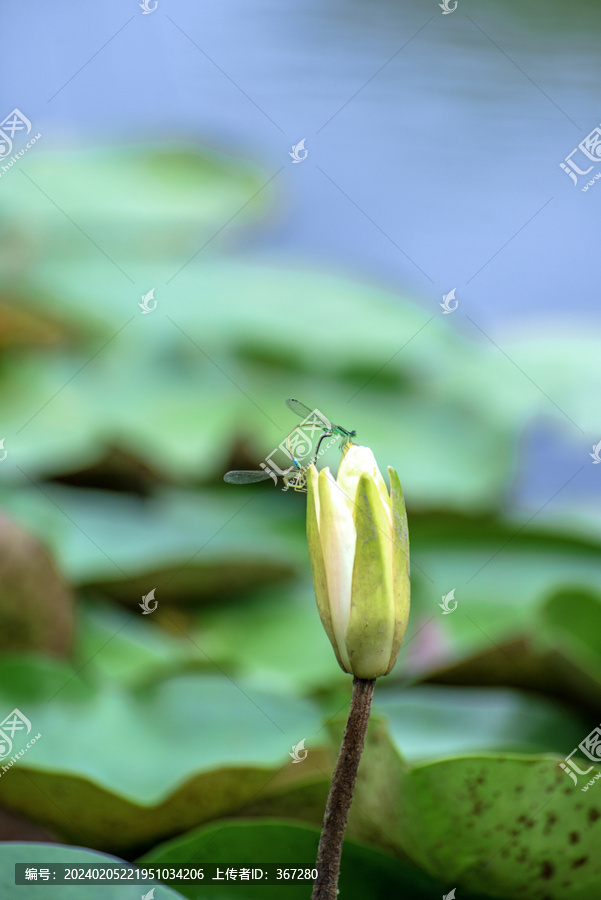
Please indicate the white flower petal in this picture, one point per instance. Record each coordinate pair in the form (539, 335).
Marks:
(338, 538)
(358, 461)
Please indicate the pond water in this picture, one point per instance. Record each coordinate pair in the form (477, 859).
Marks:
(434, 141)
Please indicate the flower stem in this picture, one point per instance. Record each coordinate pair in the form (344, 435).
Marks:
(341, 791)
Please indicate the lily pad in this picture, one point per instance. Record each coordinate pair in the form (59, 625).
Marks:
(125, 203)
(182, 544)
(366, 873)
(120, 769)
(572, 624)
(500, 575)
(221, 360)
(430, 722)
(272, 637)
(135, 650)
(520, 828)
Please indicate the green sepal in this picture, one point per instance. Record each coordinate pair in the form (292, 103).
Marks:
(400, 564)
(369, 637)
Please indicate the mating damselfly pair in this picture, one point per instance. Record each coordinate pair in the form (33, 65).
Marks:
(295, 476)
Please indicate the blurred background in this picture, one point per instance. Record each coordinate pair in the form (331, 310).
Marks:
(164, 168)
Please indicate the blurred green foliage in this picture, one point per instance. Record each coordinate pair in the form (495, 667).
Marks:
(118, 428)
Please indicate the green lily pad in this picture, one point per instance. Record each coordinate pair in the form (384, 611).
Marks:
(572, 624)
(119, 769)
(204, 378)
(272, 637)
(568, 393)
(501, 577)
(135, 650)
(366, 873)
(182, 544)
(430, 722)
(128, 203)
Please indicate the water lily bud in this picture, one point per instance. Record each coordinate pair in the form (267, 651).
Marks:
(359, 550)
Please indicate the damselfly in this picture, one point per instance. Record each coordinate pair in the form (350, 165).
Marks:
(294, 477)
(314, 418)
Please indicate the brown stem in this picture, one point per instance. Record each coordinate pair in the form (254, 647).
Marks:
(341, 791)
